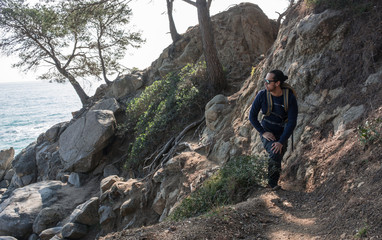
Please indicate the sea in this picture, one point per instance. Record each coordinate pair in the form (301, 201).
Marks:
(29, 108)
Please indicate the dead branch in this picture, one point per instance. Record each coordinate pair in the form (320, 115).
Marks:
(161, 153)
(169, 149)
(281, 15)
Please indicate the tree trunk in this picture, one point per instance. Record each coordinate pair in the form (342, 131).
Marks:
(107, 81)
(174, 33)
(214, 67)
(77, 87)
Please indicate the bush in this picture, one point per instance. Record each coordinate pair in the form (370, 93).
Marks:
(370, 132)
(231, 184)
(161, 110)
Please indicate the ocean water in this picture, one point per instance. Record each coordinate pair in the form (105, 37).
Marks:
(28, 109)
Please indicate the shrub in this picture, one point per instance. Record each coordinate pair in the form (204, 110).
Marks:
(362, 232)
(161, 110)
(370, 132)
(231, 184)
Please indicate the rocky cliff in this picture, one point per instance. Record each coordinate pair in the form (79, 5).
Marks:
(72, 174)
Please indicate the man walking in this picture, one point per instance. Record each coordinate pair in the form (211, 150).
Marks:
(279, 107)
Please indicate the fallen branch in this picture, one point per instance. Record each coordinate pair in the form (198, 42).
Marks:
(179, 138)
(169, 149)
(161, 153)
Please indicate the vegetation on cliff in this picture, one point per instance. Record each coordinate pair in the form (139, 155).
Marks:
(162, 110)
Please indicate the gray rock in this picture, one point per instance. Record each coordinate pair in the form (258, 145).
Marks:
(9, 174)
(125, 85)
(86, 213)
(25, 165)
(57, 237)
(159, 203)
(49, 233)
(129, 207)
(4, 184)
(7, 238)
(18, 212)
(107, 104)
(346, 115)
(47, 218)
(6, 158)
(48, 161)
(76, 179)
(33, 237)
(87, 136)
(52, 133)
(74, 230)
(106, 214)
(110, 170)
(374, 78)
(216, 111)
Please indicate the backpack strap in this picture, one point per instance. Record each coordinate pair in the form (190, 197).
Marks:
(269, 103)
(286, 98)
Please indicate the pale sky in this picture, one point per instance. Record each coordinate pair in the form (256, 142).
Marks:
(149, 17)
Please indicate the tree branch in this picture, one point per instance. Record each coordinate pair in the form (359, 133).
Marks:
(281, 15)
(190, 2)
(166, 153)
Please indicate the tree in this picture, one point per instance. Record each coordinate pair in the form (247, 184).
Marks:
(174, 33)
(109, 40)
(75, 38)
(214, 67)
(281, 15)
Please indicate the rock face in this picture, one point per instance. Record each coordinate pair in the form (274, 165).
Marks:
(25, 166)
(126, 85)
(81, 141)
(6, 158)
(18, 212)
(242, 34)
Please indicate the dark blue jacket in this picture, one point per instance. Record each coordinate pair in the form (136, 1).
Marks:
(275, 121)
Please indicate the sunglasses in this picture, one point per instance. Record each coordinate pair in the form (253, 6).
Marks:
(269, 81)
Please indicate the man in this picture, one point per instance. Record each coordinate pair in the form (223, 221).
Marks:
(279, 105)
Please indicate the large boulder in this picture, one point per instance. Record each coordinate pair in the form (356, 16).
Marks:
(19, 211)
(6, 158)
(25, 166)
(74, 231)
(87, 136)
(86, 213)
(107, 104)
(48, 161)
(126, 85)
(47, 218)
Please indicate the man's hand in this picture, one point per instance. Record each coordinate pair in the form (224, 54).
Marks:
(269, 136)
(277, 147)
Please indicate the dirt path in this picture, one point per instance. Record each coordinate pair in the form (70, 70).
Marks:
(277, 215)
(295, 217)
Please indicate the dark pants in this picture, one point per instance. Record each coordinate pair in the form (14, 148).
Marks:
(274, 161)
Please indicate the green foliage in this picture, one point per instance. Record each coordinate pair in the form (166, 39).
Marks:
(76, 38)
(231, 184)
(362, 232)
(162, 109)
(370, 132)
